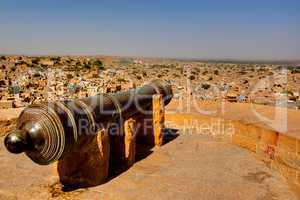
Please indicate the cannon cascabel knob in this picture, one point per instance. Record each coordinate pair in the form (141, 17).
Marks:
(16, 142)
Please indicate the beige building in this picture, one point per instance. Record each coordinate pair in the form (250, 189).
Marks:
(4, 104)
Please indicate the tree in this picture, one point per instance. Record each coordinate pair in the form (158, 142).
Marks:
(191, 77)
(73, 88)
(295, 70)
(87, 66)
(14, 89)
(205, 86)
(99, 64)
(13, 68)
(35, 60)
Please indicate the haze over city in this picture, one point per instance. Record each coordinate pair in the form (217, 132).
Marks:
(255, 30)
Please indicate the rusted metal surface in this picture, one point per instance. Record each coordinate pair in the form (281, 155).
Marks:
(48, 132)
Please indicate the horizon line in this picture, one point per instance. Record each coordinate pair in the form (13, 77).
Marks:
(250, 60)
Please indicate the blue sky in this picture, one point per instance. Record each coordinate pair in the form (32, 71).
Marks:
(239, 29)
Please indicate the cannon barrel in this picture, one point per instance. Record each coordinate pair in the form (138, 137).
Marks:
(49, 131)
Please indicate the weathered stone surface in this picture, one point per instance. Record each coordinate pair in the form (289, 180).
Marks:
(189, 167)
(88, 166)
(158, 119)
(130, 141)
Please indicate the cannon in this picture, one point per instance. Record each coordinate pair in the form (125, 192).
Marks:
(49, 131)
